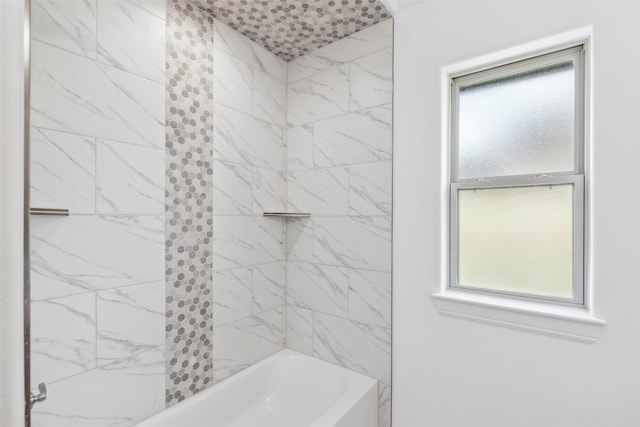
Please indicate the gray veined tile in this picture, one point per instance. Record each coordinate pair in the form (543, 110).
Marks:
(131, 320)
(130, 179)
(370, 186)
(232, 188)
(232, 295)
(370, 297)
(300, 329)
(371, 80)
(356, 242)
(356, 45)
(232, 82)
(384, 405)
(362, 348)
(318, 287)
(242, 241)
(67, 24)
(131, 37)
(62, 171)
(300, 148)
(257, 57)
(269, 191)
(244, 342)
(74, 94)
(121, 394)
(300, 239)
(63, 337)
(241, 138)
(269, 99)
(319, 97)
(269, 286)
(76, 254)
(319, 191)
(365, 136)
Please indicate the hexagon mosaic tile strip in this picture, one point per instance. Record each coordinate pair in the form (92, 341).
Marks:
(189, 210)
(291, 28)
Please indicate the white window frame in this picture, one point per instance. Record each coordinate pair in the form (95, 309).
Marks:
(575, 177)
(572, 323)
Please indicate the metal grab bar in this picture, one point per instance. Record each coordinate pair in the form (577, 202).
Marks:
(49, 211)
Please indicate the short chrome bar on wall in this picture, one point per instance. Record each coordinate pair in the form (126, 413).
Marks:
(49, 211)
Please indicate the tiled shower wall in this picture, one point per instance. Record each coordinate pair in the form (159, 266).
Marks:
(339, 146)
(248, 249)
(189, 213)
(97, 147)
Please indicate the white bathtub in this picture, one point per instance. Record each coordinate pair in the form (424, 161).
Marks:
(288, 389)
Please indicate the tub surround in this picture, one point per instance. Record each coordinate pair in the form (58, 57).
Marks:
(189, 184)
(249, 282)
(167, 278)
(339, 151)
(97, 144)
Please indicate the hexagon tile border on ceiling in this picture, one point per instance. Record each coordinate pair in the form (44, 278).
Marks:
(292, 28)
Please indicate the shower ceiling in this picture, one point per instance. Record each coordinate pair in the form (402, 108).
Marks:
(291, 28)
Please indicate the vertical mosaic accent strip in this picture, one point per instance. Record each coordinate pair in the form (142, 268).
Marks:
(189, 211)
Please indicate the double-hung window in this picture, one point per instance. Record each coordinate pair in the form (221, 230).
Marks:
(517, 189)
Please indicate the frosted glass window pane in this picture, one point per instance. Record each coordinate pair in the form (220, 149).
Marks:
(522, 124)
(517, 239)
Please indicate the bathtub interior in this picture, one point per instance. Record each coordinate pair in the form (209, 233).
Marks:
(288, 389)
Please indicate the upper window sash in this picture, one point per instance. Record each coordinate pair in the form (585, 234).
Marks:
(575, 55)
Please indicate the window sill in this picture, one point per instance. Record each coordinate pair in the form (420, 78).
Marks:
(570, 323)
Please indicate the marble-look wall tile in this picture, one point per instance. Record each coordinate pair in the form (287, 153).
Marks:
(120, 394)
(74, 94)
(232, 188)
(269, 191)
(356, 242)
(269, 286)
(242, 343)
(320, 288)
(232, 82)
(300, 239)
(356, 45)
(257, 57)
(63, 171)
(131, 320)
(63, 337)
(242, 138)
(370, 186)
(300, 329)
(319, 191)
(371, 80)
(299, 148)
(384, 405)
(242, 241)
(131, 37)
(365, 136)
(76, 254)
(370, 297)
(269, 99)
(319, 97)
(130, 179)
(67, 24)
(363, 348)
(232, 295)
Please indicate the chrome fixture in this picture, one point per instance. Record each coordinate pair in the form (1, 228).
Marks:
(40, 397)
(49, 211)
(288, 214)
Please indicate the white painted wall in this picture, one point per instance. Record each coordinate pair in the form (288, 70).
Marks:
(453, 372)
(11, 202)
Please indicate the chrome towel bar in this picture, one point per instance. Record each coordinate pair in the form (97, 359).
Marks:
(49, 211)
